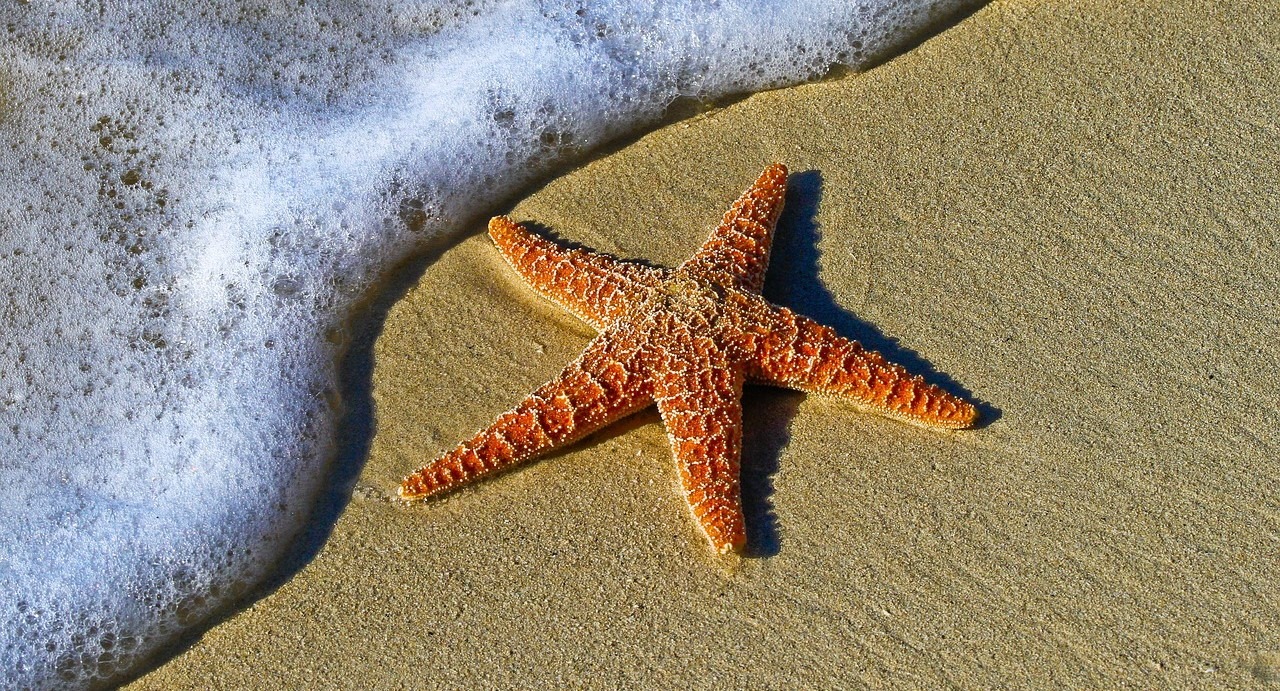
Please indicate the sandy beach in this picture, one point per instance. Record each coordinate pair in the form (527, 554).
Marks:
(1067, 211)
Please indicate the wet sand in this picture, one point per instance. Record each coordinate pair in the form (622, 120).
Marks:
(1065, 210)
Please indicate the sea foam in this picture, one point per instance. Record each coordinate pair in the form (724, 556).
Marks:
(195, 197)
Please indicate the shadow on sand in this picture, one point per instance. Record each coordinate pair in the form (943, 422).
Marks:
(793, 281)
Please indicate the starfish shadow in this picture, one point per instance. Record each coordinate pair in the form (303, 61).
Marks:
(796, 254)
(766, 415)
(767, 412)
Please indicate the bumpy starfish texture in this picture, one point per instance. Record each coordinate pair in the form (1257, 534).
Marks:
(686, 339)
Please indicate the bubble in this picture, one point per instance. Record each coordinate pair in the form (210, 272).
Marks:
(286, 286)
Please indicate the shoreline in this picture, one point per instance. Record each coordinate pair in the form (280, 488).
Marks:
(996, 205)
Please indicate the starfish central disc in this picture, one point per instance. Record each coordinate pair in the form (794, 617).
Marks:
(685, 339)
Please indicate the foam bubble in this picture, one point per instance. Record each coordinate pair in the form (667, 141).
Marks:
(196, 194)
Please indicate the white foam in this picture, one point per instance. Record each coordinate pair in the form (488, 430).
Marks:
(194, 193)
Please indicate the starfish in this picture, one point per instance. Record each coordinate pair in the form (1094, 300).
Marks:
(686, 339)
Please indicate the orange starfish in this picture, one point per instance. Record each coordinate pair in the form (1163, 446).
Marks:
(686, 339)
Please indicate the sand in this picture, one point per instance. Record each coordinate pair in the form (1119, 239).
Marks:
(1067, 210)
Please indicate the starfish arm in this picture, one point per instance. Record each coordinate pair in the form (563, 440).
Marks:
(700, 400)
(799, 353)
(595, 287)
(606, 383)
(739, 247)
